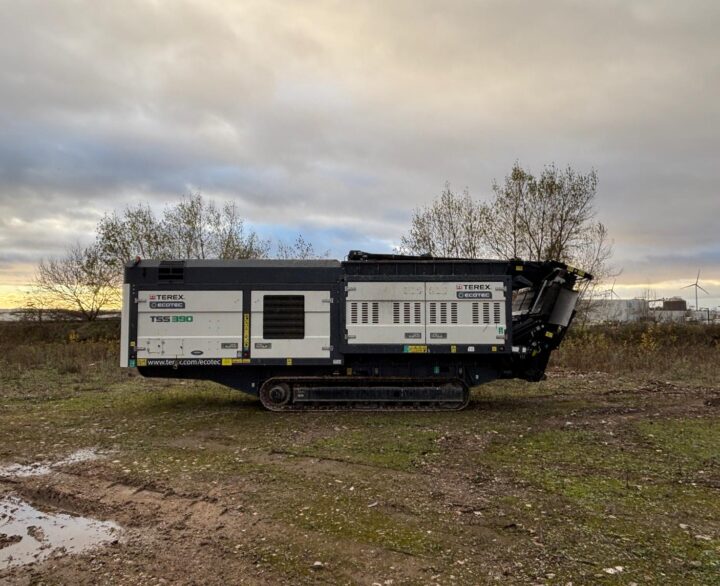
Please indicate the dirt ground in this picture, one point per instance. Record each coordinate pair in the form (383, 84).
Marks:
(583, 478)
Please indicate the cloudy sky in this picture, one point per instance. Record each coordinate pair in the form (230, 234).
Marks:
(336, 119)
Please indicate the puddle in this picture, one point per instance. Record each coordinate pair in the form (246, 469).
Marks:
(42, 468)
(28, 535)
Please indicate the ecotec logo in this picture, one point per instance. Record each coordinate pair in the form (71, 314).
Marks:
(173, 297)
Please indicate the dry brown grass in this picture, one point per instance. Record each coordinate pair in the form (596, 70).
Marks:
(689, 352)
(663, 350)
(89, 350)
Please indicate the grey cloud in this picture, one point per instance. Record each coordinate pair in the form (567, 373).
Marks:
(326, 115)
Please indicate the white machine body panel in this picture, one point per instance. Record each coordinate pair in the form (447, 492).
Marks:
(125, 327)
(426, 312)
(385, 313)
(315, 341)
(466, 312)
(189, 324)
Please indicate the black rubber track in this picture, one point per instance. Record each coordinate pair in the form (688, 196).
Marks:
(328, 388)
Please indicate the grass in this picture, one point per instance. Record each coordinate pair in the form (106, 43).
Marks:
(634, 493)
(603, 465)
(398, 447)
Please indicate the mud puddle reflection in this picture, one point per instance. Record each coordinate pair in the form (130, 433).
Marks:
(28, 535)
(42, 468)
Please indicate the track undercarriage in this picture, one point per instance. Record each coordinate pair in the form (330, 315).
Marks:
(333, 393)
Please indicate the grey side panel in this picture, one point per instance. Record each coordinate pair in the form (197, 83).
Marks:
(316, 340)
(189, 324)
(416, 312)
(466, 312)
(385, 312)
(564, 307)
(125, 327)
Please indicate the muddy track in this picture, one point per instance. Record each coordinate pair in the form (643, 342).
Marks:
(170, 537)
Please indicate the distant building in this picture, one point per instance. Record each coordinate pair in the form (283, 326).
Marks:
(669, 315)
(617, 310)
(623, 311)
(674, 304)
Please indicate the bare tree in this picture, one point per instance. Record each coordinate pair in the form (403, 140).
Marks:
(188, 227)
(542, 218)
(535, 218)
(80, 280)
(121, 236)
(87, 280)
(192, 228)
(231, 239)
(299, 249)
(34, 305)
(450, 226)
(593, 254)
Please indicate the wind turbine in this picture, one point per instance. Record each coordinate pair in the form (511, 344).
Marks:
(697, 286)
(608, 295)
(611, 292)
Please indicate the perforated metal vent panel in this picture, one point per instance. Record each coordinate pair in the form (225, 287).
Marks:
(395, 313)
(426, 312)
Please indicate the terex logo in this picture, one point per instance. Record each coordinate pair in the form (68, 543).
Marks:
(173, 297)
(473, 286)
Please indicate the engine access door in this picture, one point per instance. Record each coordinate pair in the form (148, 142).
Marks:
(290, 324)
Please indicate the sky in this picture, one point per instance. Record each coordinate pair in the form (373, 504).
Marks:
(337, 119)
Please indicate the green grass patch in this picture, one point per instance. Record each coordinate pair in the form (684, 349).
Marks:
(622, 493)
(399, 447)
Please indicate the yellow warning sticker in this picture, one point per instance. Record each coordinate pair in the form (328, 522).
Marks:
(549, 334)
(246, 331)
(142, 361)
(227, 361)
(453, 348)
(288, 361)
(415, 349)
